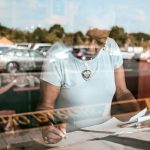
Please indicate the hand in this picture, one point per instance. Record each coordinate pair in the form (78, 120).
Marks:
(54, 134)
(20, 80)
(144, 124)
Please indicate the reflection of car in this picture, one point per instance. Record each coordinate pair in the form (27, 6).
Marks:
(145, 56)
(42, 47)
(4, 49)
(44, 50)
(15, 60)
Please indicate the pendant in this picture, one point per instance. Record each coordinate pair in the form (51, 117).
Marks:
(86, 74)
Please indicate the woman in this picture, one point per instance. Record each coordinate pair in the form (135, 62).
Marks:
(87, 77)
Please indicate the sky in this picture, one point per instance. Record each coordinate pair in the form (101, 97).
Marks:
(76, 15)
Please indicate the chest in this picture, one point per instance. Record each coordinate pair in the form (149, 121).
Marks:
(101, 73)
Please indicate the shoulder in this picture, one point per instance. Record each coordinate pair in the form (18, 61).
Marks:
(58, 56)
(110, 43)
(58, 51)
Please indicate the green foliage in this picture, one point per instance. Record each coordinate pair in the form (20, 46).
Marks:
(56, 33)
(68, 38)
(141, 36)
(119, 35)
(39, 35)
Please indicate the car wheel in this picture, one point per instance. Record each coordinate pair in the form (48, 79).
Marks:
(12, 67)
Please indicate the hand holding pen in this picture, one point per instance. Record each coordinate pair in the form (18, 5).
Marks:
(139, 122)
(54, 133)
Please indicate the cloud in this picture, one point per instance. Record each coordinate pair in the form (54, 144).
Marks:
(103, 20)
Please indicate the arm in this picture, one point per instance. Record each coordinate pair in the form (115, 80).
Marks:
(122, 93)
(49, 94)
(6, 87)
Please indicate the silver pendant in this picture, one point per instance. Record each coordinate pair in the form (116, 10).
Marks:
(86, 74)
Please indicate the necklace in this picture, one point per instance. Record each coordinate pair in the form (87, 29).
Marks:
(87, 73)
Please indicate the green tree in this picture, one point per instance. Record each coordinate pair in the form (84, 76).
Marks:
(140, 38)
(68, 39)
(57, 30)
(39, 35)
(119, 35)
(55, 34)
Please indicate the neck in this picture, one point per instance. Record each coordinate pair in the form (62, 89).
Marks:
(85, 55)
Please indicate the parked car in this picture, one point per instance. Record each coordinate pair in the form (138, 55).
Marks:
(42, 47)
(4, 48)
(15, 60)
(24, 45)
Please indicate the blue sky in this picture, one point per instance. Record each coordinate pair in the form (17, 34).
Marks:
(74, 15)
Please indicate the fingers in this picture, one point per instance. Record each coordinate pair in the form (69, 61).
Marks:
(54, 134)
(56, 131)
(62, 127)
(144, 124)
(52, 138)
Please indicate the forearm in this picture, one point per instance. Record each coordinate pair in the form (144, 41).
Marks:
(49, 94)
(44, 106)
(5, 88)
(127, 95)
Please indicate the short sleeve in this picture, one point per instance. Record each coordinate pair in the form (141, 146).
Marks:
(52, 70)
(116, 56)
(52, 73)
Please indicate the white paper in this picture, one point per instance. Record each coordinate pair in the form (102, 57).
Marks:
(144, 118)
(112, 126)
(139, 117)
(140, 114)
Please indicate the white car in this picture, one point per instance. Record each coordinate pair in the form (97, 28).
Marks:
(16, 60)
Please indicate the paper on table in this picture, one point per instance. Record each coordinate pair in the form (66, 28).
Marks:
(112, 125)
(140, 114)
(76, 137)
(139, 117)
(80, 136)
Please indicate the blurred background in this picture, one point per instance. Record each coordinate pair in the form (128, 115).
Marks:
(29, 28)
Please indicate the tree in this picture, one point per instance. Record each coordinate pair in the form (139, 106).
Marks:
(54, 34)
(57, 30)
(119, 35)
(140, 38)
(68, 38)
(4, 31)
(39, 35)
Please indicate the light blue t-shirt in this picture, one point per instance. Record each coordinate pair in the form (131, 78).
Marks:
(65, 70)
